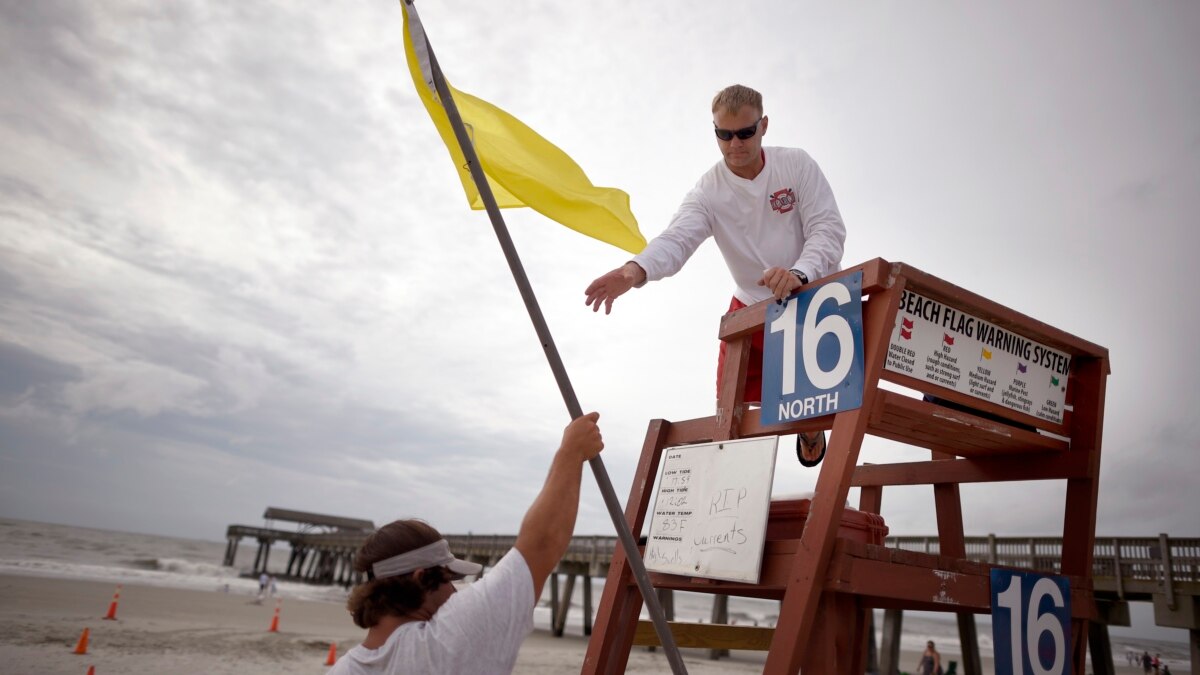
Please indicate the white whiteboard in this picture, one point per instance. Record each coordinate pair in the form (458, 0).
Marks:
(710, 512)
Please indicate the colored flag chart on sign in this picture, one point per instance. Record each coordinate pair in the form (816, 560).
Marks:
(940, 344)
(1031, 623)
(813, 353)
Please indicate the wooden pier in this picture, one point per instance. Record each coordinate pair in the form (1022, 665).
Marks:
(323, 546)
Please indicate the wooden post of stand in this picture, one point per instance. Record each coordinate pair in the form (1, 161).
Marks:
(948, 502)
(803, 594)
(1079, 525)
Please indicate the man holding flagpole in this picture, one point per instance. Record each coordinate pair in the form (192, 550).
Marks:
(773, 216)
(503, 163)
(418, 623)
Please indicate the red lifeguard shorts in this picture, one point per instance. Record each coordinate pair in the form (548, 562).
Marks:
(753, 390)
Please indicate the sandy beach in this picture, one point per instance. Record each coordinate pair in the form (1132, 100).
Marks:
(169, 630)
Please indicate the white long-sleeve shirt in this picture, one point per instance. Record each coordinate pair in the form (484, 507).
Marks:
(478, 631)
(785, 216)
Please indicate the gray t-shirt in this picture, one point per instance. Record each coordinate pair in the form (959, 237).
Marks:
(478, 630)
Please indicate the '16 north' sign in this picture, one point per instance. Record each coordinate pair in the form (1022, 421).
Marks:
(813, 353)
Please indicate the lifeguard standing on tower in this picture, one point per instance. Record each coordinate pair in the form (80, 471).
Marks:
(773, 216)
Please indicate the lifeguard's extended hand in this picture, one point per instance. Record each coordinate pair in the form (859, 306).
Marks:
(779, 281)
(607, 288)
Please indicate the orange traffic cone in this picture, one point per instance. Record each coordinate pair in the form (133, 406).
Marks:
(275, 620)
(91, 670)
(81, 646)
(332, 654)
(112, 608)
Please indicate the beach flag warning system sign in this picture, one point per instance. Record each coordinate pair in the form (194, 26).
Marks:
(935, 342)
(813, 353)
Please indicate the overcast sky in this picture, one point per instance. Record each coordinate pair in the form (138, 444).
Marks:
(237, 269)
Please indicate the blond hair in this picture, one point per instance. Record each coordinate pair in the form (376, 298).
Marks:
(734, 97)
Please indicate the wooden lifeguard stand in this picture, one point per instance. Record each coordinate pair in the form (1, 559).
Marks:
(828, 584)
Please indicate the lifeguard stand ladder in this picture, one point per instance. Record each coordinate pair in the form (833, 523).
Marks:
(828, 584)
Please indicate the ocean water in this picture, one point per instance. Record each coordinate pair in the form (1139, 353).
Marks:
(51, 550)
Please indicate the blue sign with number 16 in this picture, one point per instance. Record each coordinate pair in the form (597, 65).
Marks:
(1031, 623)
(813, 353)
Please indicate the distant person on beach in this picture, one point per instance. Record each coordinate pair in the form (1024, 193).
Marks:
(263, 579)
(931, 661)
(772, 214)
(417, 622)
(1147, 663)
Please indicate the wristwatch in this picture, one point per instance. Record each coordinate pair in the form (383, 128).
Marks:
(799, 275)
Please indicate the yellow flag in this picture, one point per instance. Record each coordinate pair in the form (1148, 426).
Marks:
(522, 168)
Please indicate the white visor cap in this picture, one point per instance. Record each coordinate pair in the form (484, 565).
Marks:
(436, 554)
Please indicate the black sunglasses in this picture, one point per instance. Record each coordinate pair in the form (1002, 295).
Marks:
(728, 134)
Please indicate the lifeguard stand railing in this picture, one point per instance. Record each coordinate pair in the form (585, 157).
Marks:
(827, 584)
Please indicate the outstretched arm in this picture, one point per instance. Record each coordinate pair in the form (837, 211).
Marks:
(550, 521)
(606, 289)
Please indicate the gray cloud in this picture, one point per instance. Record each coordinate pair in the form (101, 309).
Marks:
(27, 374)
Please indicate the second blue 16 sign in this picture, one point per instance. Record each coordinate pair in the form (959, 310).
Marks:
(1031, 623)
(813, 353)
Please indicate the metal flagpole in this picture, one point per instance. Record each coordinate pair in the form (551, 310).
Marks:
(556, 365)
